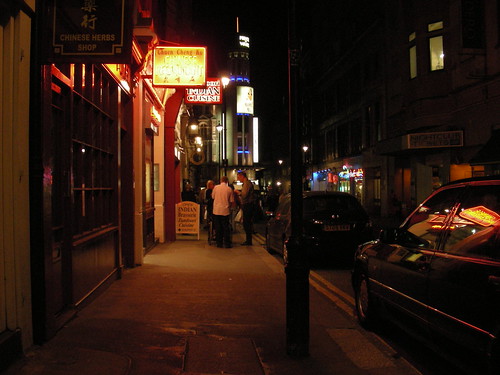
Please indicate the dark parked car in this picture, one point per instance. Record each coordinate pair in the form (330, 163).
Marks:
(334, 224)
(438, 274)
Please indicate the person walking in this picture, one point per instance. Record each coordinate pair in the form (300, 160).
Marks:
(223, 198)
(188, 193)
(247, 205)
(208, 202)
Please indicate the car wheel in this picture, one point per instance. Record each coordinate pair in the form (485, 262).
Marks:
(365, 309)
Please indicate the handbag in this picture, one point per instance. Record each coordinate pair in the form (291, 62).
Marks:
(239, 216)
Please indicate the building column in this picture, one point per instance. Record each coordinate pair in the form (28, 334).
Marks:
(172, 170)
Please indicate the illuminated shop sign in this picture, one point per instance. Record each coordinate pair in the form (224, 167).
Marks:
(481, 215)
(244, 41)
(244, 100)
(179, 66)
(349, 173)
(255, 139)
(326, 175)
(333, 178)
(437, 222)
(211, 94)
(95, 31)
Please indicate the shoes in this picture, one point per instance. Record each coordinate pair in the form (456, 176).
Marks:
(246, 243)
(228, 246)
(220, 246)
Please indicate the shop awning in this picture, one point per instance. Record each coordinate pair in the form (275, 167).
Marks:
(490, 152)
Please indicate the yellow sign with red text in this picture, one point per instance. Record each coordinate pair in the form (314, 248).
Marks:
(179, 66)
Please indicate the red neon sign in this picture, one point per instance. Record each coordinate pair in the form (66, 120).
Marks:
(481, 215)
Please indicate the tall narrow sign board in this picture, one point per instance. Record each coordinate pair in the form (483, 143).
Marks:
(187, 218)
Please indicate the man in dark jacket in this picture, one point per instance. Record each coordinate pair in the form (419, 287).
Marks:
(247, 205)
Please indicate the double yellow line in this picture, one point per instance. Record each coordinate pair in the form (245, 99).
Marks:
(330, 291)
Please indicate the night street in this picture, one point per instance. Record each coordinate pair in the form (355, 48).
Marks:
(364, 134)
(334, 282)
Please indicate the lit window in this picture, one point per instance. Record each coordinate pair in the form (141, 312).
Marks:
(436, 50)
(412, 55)
(436, 53)
(435, 26)
(413, 62)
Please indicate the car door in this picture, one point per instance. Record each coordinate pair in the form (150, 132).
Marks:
(464, 278)
(403, 264)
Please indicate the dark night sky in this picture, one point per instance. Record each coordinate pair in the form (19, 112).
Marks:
(265, 22)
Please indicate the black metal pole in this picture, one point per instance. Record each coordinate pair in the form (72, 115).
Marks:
(296, 262)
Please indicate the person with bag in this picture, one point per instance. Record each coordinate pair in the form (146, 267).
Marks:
(247, 206)
(223, 198)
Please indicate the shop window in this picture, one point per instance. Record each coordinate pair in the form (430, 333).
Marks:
(93, 151)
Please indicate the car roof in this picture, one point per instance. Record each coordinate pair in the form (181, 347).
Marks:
(325, 193)
(309, 194)
(473, 179)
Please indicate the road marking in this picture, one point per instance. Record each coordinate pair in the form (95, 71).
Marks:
(260, 237)
(346, 297)
(331, 296)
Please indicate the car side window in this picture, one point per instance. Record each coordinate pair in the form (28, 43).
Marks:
(423, 228)
(475, 227)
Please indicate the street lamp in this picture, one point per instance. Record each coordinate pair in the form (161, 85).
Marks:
(305, 166)
(225, 82)
(219, 128)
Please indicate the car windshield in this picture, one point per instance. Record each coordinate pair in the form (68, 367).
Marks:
(329, 203)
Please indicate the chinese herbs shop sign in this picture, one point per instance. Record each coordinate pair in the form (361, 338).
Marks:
(179, 66)
(90, 31)
(187, 218)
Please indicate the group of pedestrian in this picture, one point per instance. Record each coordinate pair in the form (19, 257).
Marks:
(221, 200)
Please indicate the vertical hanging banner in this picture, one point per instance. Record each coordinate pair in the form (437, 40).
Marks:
(88, 31)
(244, 100)
(179, 66)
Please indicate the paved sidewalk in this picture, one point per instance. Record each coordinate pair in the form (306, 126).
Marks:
(196, 309)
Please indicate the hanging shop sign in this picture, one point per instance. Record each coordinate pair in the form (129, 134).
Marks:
(88, 31)
(211, 94)
(179, 66)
